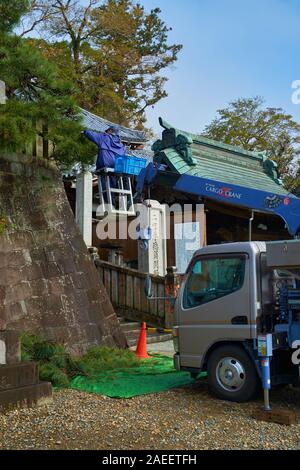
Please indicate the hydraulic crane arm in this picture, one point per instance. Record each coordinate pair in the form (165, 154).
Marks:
(287, 207)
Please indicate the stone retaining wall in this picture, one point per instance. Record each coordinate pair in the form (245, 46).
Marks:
(48, 282)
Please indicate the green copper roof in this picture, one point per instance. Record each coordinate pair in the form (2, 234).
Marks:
(192, 154)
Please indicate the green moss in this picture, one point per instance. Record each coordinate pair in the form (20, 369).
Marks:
(6, 224)
(3, 224)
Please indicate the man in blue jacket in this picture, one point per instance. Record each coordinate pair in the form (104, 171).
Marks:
(109, 146)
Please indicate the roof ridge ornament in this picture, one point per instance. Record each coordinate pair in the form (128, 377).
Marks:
(184, 147)
(164, 123)
(181, 142)
(271, 168)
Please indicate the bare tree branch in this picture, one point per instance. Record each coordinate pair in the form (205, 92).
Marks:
(63, 10)
(39, 12)
(87, 11)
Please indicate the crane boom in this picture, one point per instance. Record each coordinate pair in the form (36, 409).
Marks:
(285, 206)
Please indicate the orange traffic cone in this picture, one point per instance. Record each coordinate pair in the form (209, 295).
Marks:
(141, 350)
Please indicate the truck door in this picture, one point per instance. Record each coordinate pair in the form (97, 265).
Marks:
(214, 305)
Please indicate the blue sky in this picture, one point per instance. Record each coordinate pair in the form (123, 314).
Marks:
(232, 49)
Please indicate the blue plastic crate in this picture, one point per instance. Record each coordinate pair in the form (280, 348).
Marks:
(130, 165)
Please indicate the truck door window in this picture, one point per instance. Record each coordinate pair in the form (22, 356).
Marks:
(213, 278)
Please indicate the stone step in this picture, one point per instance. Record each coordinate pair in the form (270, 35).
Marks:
(30, 395)
(121, 320)
(132, 332)
(131, 326)
(158, 338)
(18, 375)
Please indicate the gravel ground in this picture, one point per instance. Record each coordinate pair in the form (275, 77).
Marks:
(182, 419)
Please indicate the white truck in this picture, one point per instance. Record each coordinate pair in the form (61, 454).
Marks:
(237, 316)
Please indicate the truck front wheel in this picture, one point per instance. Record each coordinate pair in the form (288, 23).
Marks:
(232, 374)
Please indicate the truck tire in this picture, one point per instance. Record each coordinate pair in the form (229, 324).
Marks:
(232, 375)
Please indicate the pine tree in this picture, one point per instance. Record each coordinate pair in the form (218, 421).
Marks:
(36, 94)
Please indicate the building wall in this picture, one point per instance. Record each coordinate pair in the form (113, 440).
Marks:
(227, 225)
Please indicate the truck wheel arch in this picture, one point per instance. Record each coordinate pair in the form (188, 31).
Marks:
(243, 344)
(231, 373)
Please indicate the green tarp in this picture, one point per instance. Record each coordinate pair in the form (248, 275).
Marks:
(154, 375)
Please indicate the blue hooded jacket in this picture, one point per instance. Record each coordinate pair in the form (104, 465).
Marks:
(109, 147)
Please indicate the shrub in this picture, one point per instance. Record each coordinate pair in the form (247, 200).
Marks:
(51, 373)
(58, 367)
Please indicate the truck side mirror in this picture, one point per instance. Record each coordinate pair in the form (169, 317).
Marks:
(148, 287)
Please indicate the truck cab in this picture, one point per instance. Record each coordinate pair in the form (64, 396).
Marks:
(230, 296)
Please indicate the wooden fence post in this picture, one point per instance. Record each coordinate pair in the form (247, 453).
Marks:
(172, 286)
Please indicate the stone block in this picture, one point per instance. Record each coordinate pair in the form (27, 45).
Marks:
(18, 375)
(81, 302)
(15, 312)
(47, 237)
(9, 276)
(20, 240)
(32, 272)
(30, 314)
(80, 281)
(37, 287)
(77, 243)
(3, 318)
(60, 285)
(38, 220)
(18, 258)
(31, 395)
(55, 317)
(50, 270)
(58, 334)
(50, 211)
(93, 294)
(66, 265)
(6, 245)
(11, 351)
(279, 416)
(17, 293)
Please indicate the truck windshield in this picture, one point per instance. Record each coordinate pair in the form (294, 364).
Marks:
(212, 278)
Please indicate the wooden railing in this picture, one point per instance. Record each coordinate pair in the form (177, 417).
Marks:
(125, 288)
